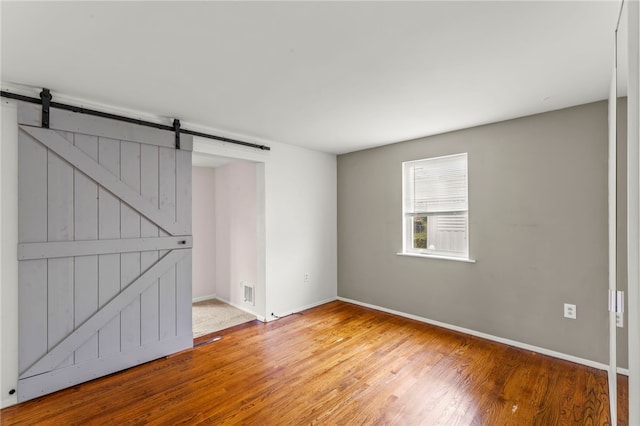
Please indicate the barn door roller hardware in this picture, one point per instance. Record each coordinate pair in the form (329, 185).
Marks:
(45, 97)
(45, 101)
(176, 129)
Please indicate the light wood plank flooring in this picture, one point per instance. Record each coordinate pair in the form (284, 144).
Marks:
(337, 364)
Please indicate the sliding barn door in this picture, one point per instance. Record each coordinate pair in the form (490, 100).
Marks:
(104, 248)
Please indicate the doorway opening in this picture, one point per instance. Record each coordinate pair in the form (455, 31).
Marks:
(225, 249)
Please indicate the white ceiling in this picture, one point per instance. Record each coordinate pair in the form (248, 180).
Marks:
(331, 76)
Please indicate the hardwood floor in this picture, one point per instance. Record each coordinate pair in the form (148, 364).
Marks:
(336, 364)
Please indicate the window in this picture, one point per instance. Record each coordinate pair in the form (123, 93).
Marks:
(435, 206)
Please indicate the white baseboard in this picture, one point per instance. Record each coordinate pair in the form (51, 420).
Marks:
(203, 298)
(9, 401)
(543, 351)
(302, 308)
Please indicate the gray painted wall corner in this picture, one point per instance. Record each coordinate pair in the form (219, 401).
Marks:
(538, 230)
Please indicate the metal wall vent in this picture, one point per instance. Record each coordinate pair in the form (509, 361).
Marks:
(248, 293)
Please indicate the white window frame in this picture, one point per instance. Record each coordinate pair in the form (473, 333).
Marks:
(407, 217)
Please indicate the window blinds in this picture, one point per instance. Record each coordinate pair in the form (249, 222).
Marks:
(436, 185)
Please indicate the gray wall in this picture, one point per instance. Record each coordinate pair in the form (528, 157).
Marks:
(538, 230)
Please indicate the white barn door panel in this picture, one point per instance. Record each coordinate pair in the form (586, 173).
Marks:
(104, 248)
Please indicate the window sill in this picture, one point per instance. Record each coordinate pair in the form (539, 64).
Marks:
(433, 256)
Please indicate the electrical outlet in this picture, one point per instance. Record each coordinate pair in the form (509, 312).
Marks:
(307, 277)
(620, 319)
(569, 311)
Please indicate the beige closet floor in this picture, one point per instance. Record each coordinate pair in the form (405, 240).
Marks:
(214, 315)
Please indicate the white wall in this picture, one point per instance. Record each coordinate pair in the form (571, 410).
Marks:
(633, 211)
(204, 233)
(236, 233)
(301, 216)
(296, 224)
(8, 252)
